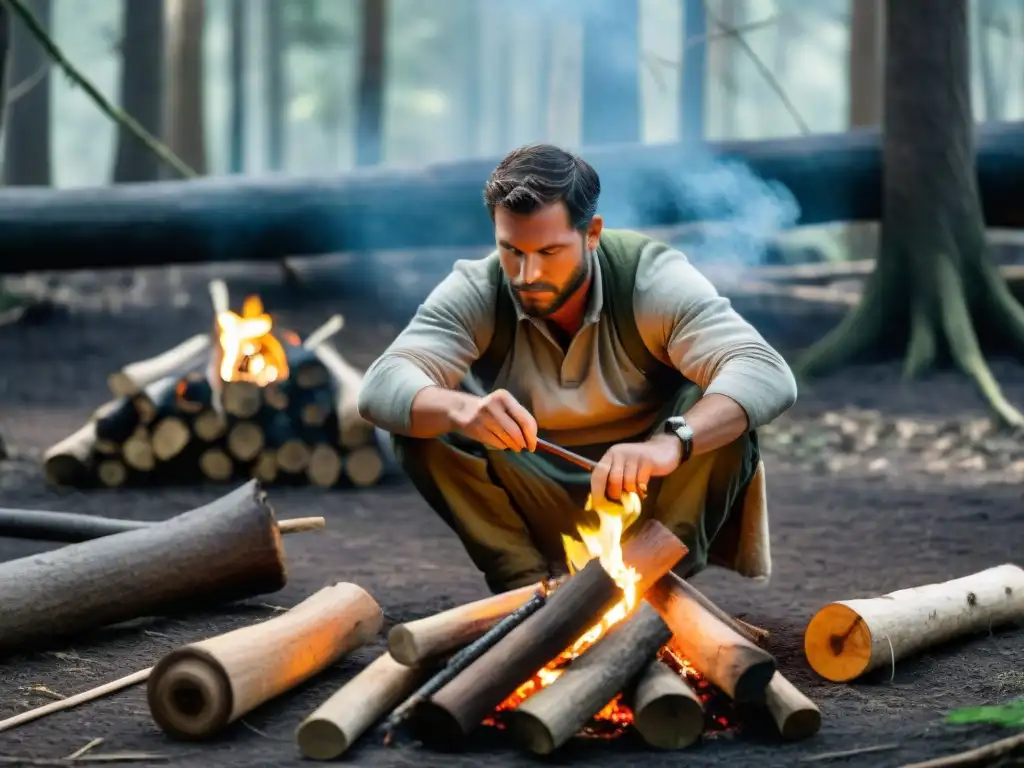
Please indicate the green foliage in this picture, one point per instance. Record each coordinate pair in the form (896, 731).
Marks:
(1007, 715)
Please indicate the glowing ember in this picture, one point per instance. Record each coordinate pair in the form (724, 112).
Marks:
(249, 350)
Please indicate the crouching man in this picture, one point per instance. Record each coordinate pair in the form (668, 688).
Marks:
(605, 342)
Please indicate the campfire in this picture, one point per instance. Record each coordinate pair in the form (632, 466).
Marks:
(248, 399)
(619, 645)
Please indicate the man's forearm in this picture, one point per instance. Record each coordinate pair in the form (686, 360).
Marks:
(432, 410)
(716, 420)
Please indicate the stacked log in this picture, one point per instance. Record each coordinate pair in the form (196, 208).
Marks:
(173, 420)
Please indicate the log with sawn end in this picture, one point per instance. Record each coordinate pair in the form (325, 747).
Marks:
(416, 642)
(722, 655)
(667, 713)
(337, 723)
(849, 638)
(450, 715)
(795, 715)
(553, 715)
(197, 690)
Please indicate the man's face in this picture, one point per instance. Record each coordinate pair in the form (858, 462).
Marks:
(543, 257)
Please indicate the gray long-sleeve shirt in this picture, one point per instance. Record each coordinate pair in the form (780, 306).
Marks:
(591, 392)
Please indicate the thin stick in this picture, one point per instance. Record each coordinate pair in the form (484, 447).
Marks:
(301, 525)
(848, 753)
(82, 750)
(324, 332)
(73, 701)
(984, 755)
(575, 458)
(219, 297)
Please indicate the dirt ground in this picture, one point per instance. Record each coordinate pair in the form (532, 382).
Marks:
(874, 485)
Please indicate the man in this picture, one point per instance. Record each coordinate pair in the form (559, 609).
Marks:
(605, 342)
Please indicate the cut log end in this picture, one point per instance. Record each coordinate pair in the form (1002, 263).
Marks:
(320, 739)
(189, 697)
(838, 643)
(531, 733)
(437, 727)
(666, 711)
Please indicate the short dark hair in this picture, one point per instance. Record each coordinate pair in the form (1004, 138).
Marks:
(538, 175)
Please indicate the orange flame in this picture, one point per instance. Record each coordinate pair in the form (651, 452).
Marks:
(249, 350)
(604, 542)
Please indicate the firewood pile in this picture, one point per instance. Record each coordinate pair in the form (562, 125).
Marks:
(246, 400)
(621, 642)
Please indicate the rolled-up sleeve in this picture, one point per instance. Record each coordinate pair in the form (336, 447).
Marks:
(448, 332)
(684, 320)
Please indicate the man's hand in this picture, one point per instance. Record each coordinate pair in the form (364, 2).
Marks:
(496, 420)
(630, 466)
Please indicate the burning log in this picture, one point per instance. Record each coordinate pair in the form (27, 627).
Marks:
(720, 653)
(189, 559)
(416, 642)
(131, 379)
(667, 713)
(457, 709)
(197, 690)
(337, 723)
(847, 639)
(549, 718)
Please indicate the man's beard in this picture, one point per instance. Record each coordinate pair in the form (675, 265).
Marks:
(579, 277)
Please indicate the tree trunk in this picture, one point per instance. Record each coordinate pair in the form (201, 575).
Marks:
(370, 126)
(5, 45)
(186, 132)
(27, 148)
(239, 38)
(276, 95)
(935, 292)
(142, 85)
(995, 75)
(611, 76)
(693, 81)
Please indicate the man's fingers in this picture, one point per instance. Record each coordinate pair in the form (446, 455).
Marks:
(599, 481)
(615, 475)
(499, 428)
(527, 424)
(512, 429)
(643, 477)
(630, 470)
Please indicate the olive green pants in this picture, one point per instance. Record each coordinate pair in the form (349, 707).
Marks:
(511, 509)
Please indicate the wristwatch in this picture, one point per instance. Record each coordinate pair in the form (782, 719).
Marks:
(677, 426)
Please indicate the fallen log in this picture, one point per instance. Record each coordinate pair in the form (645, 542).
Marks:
(667, 713)
(451, 714)
(553, 715)
(337, 723)
(722, 655)
(849, 638)
(832, 177)
(191, 559)
(415, 642)
(197, 690)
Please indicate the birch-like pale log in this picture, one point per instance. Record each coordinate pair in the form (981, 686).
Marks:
(337, 723)
(849, 638)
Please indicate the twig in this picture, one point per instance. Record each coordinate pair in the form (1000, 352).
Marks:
(763, 68)
(72, 701)
(972, 758)
(118, 116)
(43, 690)
(79, 752)
(848, 753)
